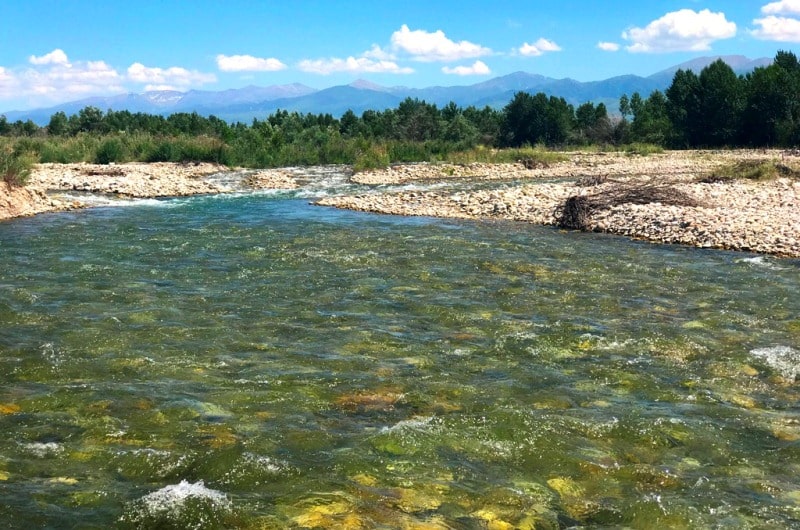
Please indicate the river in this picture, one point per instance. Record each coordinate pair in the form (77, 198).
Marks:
(252, 361)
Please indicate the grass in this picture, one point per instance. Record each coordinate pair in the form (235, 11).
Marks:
(534, 156)
(642, 149)
(15, 166)
(753, 170)
(370, 158)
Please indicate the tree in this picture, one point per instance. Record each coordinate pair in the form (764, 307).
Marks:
(592, 124)
(417, 120)
(524, 119)
(721, 105)
(683, 109)
(349, 124)
(650, 120)
(771, 113)
(58, 124)
(624, 106)
(89, 120)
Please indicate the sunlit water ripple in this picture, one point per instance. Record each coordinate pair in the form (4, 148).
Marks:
(251, 361)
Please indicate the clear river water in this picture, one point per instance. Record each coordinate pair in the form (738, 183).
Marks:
(253, 361)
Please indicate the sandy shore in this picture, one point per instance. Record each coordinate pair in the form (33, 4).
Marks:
(740, 215)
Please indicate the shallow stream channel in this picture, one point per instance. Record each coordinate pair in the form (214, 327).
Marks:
(252, 361)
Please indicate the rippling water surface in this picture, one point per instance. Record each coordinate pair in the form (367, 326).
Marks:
(252, 361)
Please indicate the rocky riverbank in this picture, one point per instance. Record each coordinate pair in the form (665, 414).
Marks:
(49, 185)
(758, 216)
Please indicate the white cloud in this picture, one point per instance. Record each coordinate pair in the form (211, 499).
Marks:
(174, 76)
(784, 7)
(8, 83)
(63, 81)
(683, 30)
(248, 63)
(351, 65)
(538, 48)
(478, 68)
(431, 47)
(52, 78)
(608, 46)
(159, 88)
(56, 56)
(780, 29)
(376, 52)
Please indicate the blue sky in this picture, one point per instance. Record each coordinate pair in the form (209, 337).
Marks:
(60, 50)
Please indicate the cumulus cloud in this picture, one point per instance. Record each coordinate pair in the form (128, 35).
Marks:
(63, 81)
(376, 52)
(248, 63)
(784, 7)
(159, 88)
(53, 78)
(56, 56)
(477, 68)
(608, 46)
(173, 76)
(782, 29)
(538, 48)
(351, 65)
(8, 83)
(434, 47)
(683, 30)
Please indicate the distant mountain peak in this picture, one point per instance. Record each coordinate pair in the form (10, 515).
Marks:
(163, 97)
(244, 104)
(739, 64)
(363, 84)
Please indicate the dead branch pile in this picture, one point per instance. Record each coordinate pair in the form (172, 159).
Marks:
(103, 172)
(592, 180)
(578, 209)
(532, 163)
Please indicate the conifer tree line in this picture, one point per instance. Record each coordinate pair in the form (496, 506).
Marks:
(712, 109)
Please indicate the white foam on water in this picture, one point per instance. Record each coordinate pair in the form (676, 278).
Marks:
(265, 464)
(43, 450)
(416, 423)
(784, 359)
(760, 261)
(171, 499)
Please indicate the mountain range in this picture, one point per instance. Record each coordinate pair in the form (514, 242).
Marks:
(250, 102)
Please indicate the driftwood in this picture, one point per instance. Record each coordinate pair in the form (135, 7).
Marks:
(532, 163)
(592, 180)
(577, 210)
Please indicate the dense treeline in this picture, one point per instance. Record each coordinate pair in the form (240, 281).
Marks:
(713, 109)
(717, 108)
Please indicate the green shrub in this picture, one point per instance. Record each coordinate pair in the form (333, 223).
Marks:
(642, 149)
(160, 151)
(373, 157)
(15, 166)
(756, 170)
(531, 156)
(110, 150)
(61, 150)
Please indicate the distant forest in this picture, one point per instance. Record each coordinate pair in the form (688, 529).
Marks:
(712, 109)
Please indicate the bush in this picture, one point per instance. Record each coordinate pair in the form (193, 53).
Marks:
(373, 157)
(757, 170)
(111, 150)
(642, 149)
(15, 166)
